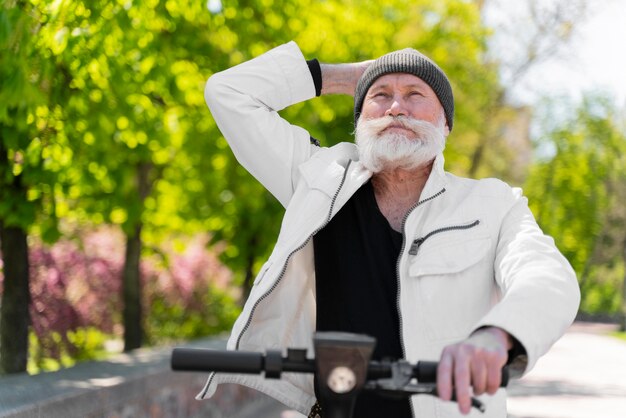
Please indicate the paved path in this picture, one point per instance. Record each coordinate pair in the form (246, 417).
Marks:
(582, 376)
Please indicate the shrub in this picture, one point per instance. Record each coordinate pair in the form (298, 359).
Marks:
(76, 295)
(187, 293)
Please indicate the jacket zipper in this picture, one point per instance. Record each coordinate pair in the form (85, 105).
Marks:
(415, 246)
(282, 273)
(406, 216)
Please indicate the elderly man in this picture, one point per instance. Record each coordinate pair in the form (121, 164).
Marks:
(378, 239)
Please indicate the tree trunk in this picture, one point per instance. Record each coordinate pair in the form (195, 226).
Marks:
(131, 279)
(247, 281)
(14, 313)
(623, 307)
(131, 283)
(477, 158)
(249, 273)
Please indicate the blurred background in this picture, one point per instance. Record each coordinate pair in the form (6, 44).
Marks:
(125, 221)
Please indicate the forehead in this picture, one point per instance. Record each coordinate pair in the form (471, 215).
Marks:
(399, 80)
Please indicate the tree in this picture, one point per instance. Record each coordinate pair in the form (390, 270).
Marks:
(136, 96)
(33, 155)
(525, 34)
(79, 72)
(577, 192)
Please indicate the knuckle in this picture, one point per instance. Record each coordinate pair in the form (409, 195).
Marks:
(450, 350)
(479, 385)
(491, 389)
(494, 356)
(467, 349)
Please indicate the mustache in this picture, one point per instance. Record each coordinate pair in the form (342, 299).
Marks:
(378, 125)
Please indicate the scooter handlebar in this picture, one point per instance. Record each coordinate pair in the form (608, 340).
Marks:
(205, 360)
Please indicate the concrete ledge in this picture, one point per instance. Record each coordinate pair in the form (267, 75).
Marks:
(139, 384)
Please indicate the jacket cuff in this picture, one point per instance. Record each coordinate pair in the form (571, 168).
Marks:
(297, 82)
(316, 73)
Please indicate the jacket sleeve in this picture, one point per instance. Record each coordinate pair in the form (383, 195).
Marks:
(540, 292)
(244, 101)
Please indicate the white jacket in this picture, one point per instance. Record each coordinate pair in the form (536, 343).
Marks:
(502, 271)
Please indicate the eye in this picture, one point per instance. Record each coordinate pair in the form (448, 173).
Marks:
(381, 94)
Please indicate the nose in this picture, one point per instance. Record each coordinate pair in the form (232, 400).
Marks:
(396, 107)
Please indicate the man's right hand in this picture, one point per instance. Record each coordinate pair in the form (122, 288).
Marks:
(342, 78)
(473, 366)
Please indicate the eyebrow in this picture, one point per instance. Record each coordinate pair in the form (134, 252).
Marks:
(385, 85)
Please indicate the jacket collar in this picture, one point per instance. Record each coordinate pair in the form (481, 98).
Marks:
(357, 175)
(437, 179)
(333, 164)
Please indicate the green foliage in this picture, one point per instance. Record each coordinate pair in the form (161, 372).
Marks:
(576, 192)
(85, 343)
(601, 298)
(188, 292)
(132, 94)
(171, 321)
(601, 292)
(33, 147)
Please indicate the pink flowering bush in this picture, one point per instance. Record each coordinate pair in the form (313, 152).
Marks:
(76, 295)
(188, 293)
(75, 284)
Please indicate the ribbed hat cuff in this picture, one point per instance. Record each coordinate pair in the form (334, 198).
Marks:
(407, 61)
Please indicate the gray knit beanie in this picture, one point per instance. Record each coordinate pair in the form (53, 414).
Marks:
(407, 61)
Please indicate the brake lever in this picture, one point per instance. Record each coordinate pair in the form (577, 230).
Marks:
(474, 402)
(399, 384)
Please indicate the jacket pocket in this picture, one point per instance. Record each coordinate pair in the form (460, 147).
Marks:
(449, 249)
(453, 277)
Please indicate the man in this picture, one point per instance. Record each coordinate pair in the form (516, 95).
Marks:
(378, 239)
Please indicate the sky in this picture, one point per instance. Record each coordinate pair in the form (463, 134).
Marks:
(594, 61)
(603, 49)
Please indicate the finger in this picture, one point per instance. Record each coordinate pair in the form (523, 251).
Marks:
(462, 381)
(444, 375)
(479, 376)
(494, 376)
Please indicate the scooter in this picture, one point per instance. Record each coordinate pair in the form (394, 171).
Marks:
(342, 365)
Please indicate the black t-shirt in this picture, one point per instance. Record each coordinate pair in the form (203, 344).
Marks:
(356, 255)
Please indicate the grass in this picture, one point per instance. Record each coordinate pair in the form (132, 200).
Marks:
(620, 335)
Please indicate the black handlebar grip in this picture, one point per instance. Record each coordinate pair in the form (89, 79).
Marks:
(197, 360)
(426, 372)
(505, 377)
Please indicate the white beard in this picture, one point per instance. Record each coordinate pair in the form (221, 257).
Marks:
(392, 150)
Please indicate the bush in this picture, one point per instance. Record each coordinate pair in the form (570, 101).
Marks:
(600, 293)
(75, 290)
(187, 293)
(76, 295)
(84, 343)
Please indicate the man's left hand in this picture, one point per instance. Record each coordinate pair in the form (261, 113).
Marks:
(473, 366)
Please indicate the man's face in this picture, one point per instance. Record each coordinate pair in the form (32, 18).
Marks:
(401, 94)
(402, 124)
